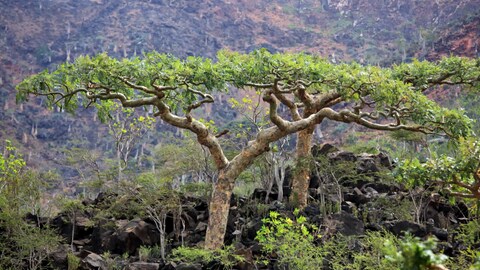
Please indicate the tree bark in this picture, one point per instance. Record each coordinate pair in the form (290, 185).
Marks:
(218, 211)
(220, 201)
(301, 177)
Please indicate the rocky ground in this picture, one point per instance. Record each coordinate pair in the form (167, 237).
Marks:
(368, 203)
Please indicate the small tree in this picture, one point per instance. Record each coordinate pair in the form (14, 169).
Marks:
(23, 245)
(159, 201)
(127, 129)
(72, 207)
(458, 175)
(307, 86)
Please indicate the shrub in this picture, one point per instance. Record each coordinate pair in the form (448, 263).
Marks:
(414, 254)
(225, 257)
(290, 242)
(73, 261)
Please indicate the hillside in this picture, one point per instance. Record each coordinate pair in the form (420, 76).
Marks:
(39, 34)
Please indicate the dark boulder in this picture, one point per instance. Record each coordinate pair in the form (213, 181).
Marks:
(323, 150)
(93, 261)
(342, 156)
(143, 266)
(399, 228)
(357, 197)
(130, 235)
(384, 160)
(367, 164)
(344, 223)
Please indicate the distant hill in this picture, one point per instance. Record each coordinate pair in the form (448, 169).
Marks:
(38, 34)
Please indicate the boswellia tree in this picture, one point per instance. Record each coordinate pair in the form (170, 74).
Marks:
(308, 86)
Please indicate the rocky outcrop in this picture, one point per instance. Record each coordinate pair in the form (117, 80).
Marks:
(368, 205)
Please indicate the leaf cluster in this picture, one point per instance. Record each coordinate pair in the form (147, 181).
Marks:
(460, 168)
(290, 242)
(183, 84)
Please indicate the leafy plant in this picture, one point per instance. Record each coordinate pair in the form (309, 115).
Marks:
(144, 253)
(73, 261)
(414, 254)
(290, 242)
(225, 257)
(23, 244)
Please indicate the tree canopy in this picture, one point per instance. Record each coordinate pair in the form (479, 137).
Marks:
(309, 87)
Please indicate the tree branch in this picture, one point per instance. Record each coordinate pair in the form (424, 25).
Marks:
(204, 137)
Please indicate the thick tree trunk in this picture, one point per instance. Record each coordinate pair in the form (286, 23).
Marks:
(220, 202)
(218, 211)
(301, 177)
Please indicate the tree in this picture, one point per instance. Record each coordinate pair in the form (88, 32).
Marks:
(23, 244)
(457, 175)
(394, 95)
(306, 85)
(126, 129)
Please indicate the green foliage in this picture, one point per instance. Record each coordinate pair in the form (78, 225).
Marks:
(23, 245)
(370, 257)
(177, 157)
(101, 79)
(73, 261)
(467, 259)
(451, 172)
(469, 233)
(200, 190)
(414, 254)
(290, 242)
(382, 206)
(144, 253)
(225, 257)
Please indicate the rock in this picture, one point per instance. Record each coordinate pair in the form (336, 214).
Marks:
(186, 266)
(357, 199)
(344, 223)
(401, 227)
(375, 227)
(259, 194)
(342, 156)
(252, 227)
(59, 257)
(201, 227)
(371, 192)
(366, 164)
(94, 261)
(348, 207)
(143, 266)
(384, 160)
(441, 234)
(276, 206)
(311, 210)
(246, 253)
(380, 187)
(323, 149)
(129, 237)
(314, 182)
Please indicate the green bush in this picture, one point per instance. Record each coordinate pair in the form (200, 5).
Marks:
(225, 257)
(290, 242)
(371, 255)
(73, 261)
(414, 254)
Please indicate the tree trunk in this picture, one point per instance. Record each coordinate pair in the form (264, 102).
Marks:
(218, 210)
(119, 164)
(301, 176)
(280, 177)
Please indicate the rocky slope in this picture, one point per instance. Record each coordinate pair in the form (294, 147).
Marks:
(35, 34)
(111, 225)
